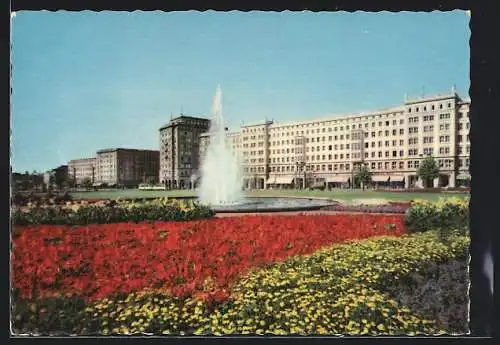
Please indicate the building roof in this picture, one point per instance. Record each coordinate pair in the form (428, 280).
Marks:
(179, 119)
(257, 123)
(339, 117)
(60, 167)
(81, 160)
(125, 149)
(437, 97)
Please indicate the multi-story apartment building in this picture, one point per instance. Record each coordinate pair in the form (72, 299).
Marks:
(256, 152)
(232, 141)
(179, 150)
(390, 142)
(81, 169)
(127, 167)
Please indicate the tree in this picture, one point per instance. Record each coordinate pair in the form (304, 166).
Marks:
(87, 182)
(363, 176)
(428, 171)
(52, 181)
(60, 178)
(151, 180)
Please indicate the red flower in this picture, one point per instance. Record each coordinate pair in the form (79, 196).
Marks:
(100, 260)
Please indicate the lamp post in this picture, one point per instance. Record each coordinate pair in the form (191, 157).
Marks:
(352, 177)
(300, 166)
(303, 165)
(296, 175)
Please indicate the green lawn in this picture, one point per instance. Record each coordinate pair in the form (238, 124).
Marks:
(345, 196)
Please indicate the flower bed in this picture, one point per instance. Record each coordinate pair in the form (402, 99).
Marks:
(274, 275)
(110, 211)
(391, 209)
(336, 290)
(25, 198)
(202, 257)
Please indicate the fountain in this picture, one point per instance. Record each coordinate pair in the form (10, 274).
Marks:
(221, 177)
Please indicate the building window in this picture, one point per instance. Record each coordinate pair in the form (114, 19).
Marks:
(444, 139)
(412, 152)
(428, 151)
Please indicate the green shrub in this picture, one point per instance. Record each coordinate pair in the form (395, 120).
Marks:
(446, 215)
(87, 214)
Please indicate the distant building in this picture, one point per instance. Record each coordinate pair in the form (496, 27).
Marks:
(179, 150)
(81, 169)
(56, 178)
(127, 167)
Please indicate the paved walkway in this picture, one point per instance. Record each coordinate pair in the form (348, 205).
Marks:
(294, 213)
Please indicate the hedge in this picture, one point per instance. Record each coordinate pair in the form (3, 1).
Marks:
(111, 212)
(446, 215)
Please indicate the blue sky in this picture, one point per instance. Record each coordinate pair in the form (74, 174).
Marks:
(83, 81)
